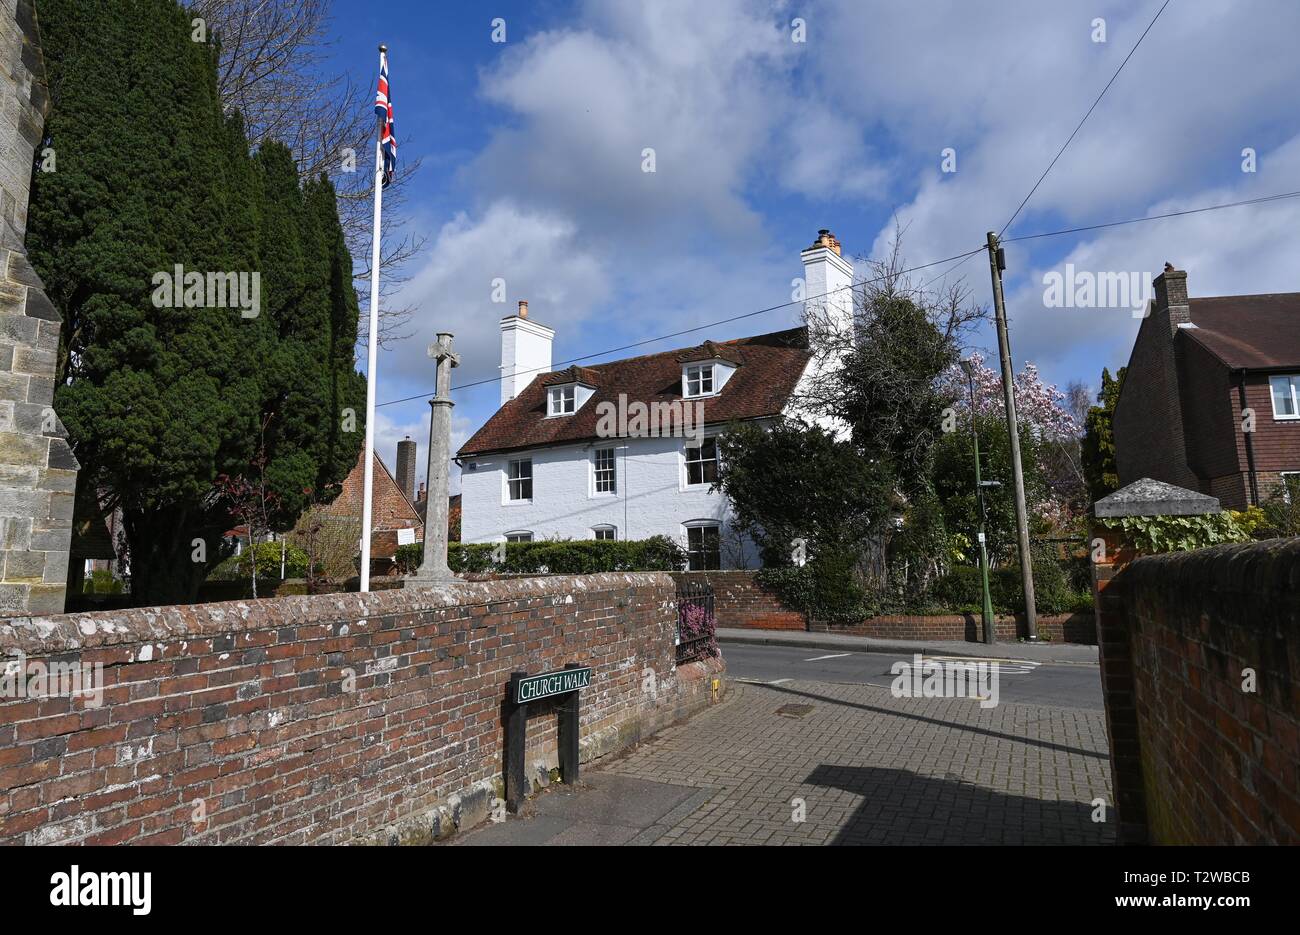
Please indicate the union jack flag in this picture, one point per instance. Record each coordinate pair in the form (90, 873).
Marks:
(384, 111)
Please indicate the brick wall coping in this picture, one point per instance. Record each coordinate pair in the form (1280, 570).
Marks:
(1255, 568)
(41, 635)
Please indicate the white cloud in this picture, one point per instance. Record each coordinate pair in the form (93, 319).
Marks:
(1244, 250)
(749, 127)
(1006, 84)
(704, 90)
(539, 256)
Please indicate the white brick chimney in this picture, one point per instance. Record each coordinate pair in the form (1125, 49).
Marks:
(525, 352)
(827, 280)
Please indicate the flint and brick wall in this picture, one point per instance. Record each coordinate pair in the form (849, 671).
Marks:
(369, 718)
(1196, 758)
(741, 603)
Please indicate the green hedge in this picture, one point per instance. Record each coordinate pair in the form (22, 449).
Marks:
(268, 563)
(822, 591)
(101, 581)
(959, 590)
(581, 557)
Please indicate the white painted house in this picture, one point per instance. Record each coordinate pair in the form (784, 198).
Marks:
(627, 449)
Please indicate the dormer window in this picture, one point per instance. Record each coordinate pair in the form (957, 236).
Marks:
(564, 400)
(698, 380)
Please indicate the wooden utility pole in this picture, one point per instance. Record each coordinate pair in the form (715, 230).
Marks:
(997, 264)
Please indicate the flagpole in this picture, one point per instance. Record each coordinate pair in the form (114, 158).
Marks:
(372, 345)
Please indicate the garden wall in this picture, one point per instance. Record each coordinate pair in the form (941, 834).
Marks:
(740, 602)
(1200, 655)
(1059, 628)
(331, 718)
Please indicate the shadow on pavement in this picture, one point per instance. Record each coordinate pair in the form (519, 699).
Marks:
(901, 807)
(940, 722)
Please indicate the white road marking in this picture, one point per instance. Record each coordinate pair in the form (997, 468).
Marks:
(761, 681)
(831, 656)
(1005, 666)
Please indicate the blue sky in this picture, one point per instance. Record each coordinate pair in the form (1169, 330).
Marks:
(532, 162)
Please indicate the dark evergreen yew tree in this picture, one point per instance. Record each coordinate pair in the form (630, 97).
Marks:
(161, 401)
(1098, 447)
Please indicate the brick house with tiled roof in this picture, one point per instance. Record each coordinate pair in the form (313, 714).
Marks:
(1203, 370)
(394, 519)
(627, 449)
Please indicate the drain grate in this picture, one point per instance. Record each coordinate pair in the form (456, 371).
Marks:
(795, 710)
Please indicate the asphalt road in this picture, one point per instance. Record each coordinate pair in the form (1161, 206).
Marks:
(1020, 682)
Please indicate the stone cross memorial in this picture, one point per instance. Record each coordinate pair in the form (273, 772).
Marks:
(433, 568)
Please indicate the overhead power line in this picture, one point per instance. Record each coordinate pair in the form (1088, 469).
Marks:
(1156, 217)
(1263, 199)
(1084, 120)
(960, 257)
(711, 324)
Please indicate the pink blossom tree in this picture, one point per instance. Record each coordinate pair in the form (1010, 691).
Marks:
(1045, 410)
(1040, 406)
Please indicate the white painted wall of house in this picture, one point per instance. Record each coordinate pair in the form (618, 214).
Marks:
(652, 497)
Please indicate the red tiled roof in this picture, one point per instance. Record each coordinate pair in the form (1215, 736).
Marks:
(709, 350)
(768, 368)
(1249, 331)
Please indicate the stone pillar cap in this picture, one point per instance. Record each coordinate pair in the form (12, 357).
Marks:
(1147, 497)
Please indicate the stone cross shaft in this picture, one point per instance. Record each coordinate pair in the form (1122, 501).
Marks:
(433, 569)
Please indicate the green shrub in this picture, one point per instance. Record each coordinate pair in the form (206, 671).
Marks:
(823, 591)
(101, 581)
(959, 590)
(579, 557)
(268, 563)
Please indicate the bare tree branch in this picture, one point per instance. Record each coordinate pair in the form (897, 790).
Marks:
(269, 70)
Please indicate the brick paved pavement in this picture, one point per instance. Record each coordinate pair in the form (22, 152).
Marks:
(874, 769)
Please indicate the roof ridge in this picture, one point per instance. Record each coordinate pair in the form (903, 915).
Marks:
(1247, 295)
(678, 350)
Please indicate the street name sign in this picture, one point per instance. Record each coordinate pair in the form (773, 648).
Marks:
(537, 687)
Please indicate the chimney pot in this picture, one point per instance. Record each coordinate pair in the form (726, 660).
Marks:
(523, 308)
(826, 239)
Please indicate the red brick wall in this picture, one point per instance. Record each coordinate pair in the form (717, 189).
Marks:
(1215, 450)
(1148, 420)
(1276, 442)
(1174, 385)
(1197, 759)
(1063, 628)
(1117, 687)
(741, 602)
(244, 714)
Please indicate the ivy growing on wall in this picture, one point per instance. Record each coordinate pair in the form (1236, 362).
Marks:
(1151, 534)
